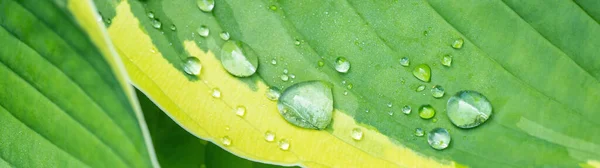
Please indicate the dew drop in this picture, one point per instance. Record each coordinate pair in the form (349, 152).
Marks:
(173, 27)
(226, 141)
(438, 138)
(458, 43)
(292, 76)
(307, 104)
(273, 7)
(150, 15)
(419, 132)
(297, 42)
(356, 134)
(274, 62)
(206, 5)
(273, 94)
(321, 63)
(156, 24)
(437, 91)
(390, 105)
(240, 111)
(422, 72)
(468, 109)
(224, 35)
(192, 66)
(269, 136)
(342, 65)
(285, 71)
(345, 92)
(391, 113)
(284, 77)
(284, 144)
(203, 31)
(406, 109)
(216, 93)
(420, 88)
(447, 60)
(238, 59)
(426, 112)
(404, 61)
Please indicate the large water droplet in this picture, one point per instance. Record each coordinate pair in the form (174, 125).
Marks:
(203, 31)
(356, 134)
(447, 60)
(192, 66)
(307, 104)
(269, 136)
(284, 77)
(406, 109)
(458, 43)
(224, 35)
(468, 109)
(404, 61)
(284, 144)
(216, 93)
(240, 111)
(273, 94)
(226, 141)
(342, 65)
(438, 138)
(238, 59)
(426, 112)
(422, 72)
(206, 5)
(419, 132)
(437, 91)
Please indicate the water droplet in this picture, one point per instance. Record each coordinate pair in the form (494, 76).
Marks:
(458, 43)
(321, 63)
(192, 66)
(269, 136)
(406, 109)
(238, 59)
(206, 5)
(297, 42)
(284, 77)
(273, 94)
(273, 61)
(390, 105)
(391, 113)
(419, 132)
(342, 65)
(438, 138)
(404, 61)
(307, 104)
(422, 72)
(356, 134)
(426, 112)
(344, 82)
(216, 93)
(350, 86)
(345, 92)
(425, 33)
(224, 35)
(447, 60)
(437, 91)
(284, 144)
(203, 31)
(285, 71)
(420, 88)
(240, 111)
(156, 24)
(273, 7)
(151, 15)
(226, 141)
(434, 120)
(292, 76)
(468, 109)
(173, 27)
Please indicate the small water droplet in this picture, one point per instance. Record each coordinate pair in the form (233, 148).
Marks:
(216, 93)
(422, 72)
(226, 141)
(367, 111)
(350, 86)
(468, 109)
(420, 88)
(156, 24)
(321, 63)
(391, 113)
(269, 136)
(447, 60)
(173, 27)
(224, 35)
(343, 82)
(273, 61)
(240, 111)
(150, 15)
(273, 7)
(203, 31)
(292, 76)
(284, 77)
(345, 92)
(434, 120)
(356, 134)
(419, 132)
(390, 105)
(437, 91)
(438, 138)
(307, 104)
(273, 94)
(285, 71)
(458, 43)
(227, 128)
(297, 42)
(192, 66)
(406, 109)
(425, 33)
(426, 112)
(206, 5)
(342, 65)
(238, 59)
(284, 144)
(404, 61)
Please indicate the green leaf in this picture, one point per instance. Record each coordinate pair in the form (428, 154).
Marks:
(62, 103)
(536, 62)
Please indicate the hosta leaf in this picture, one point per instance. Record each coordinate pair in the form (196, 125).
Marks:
(64, 101)
(536, 62)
